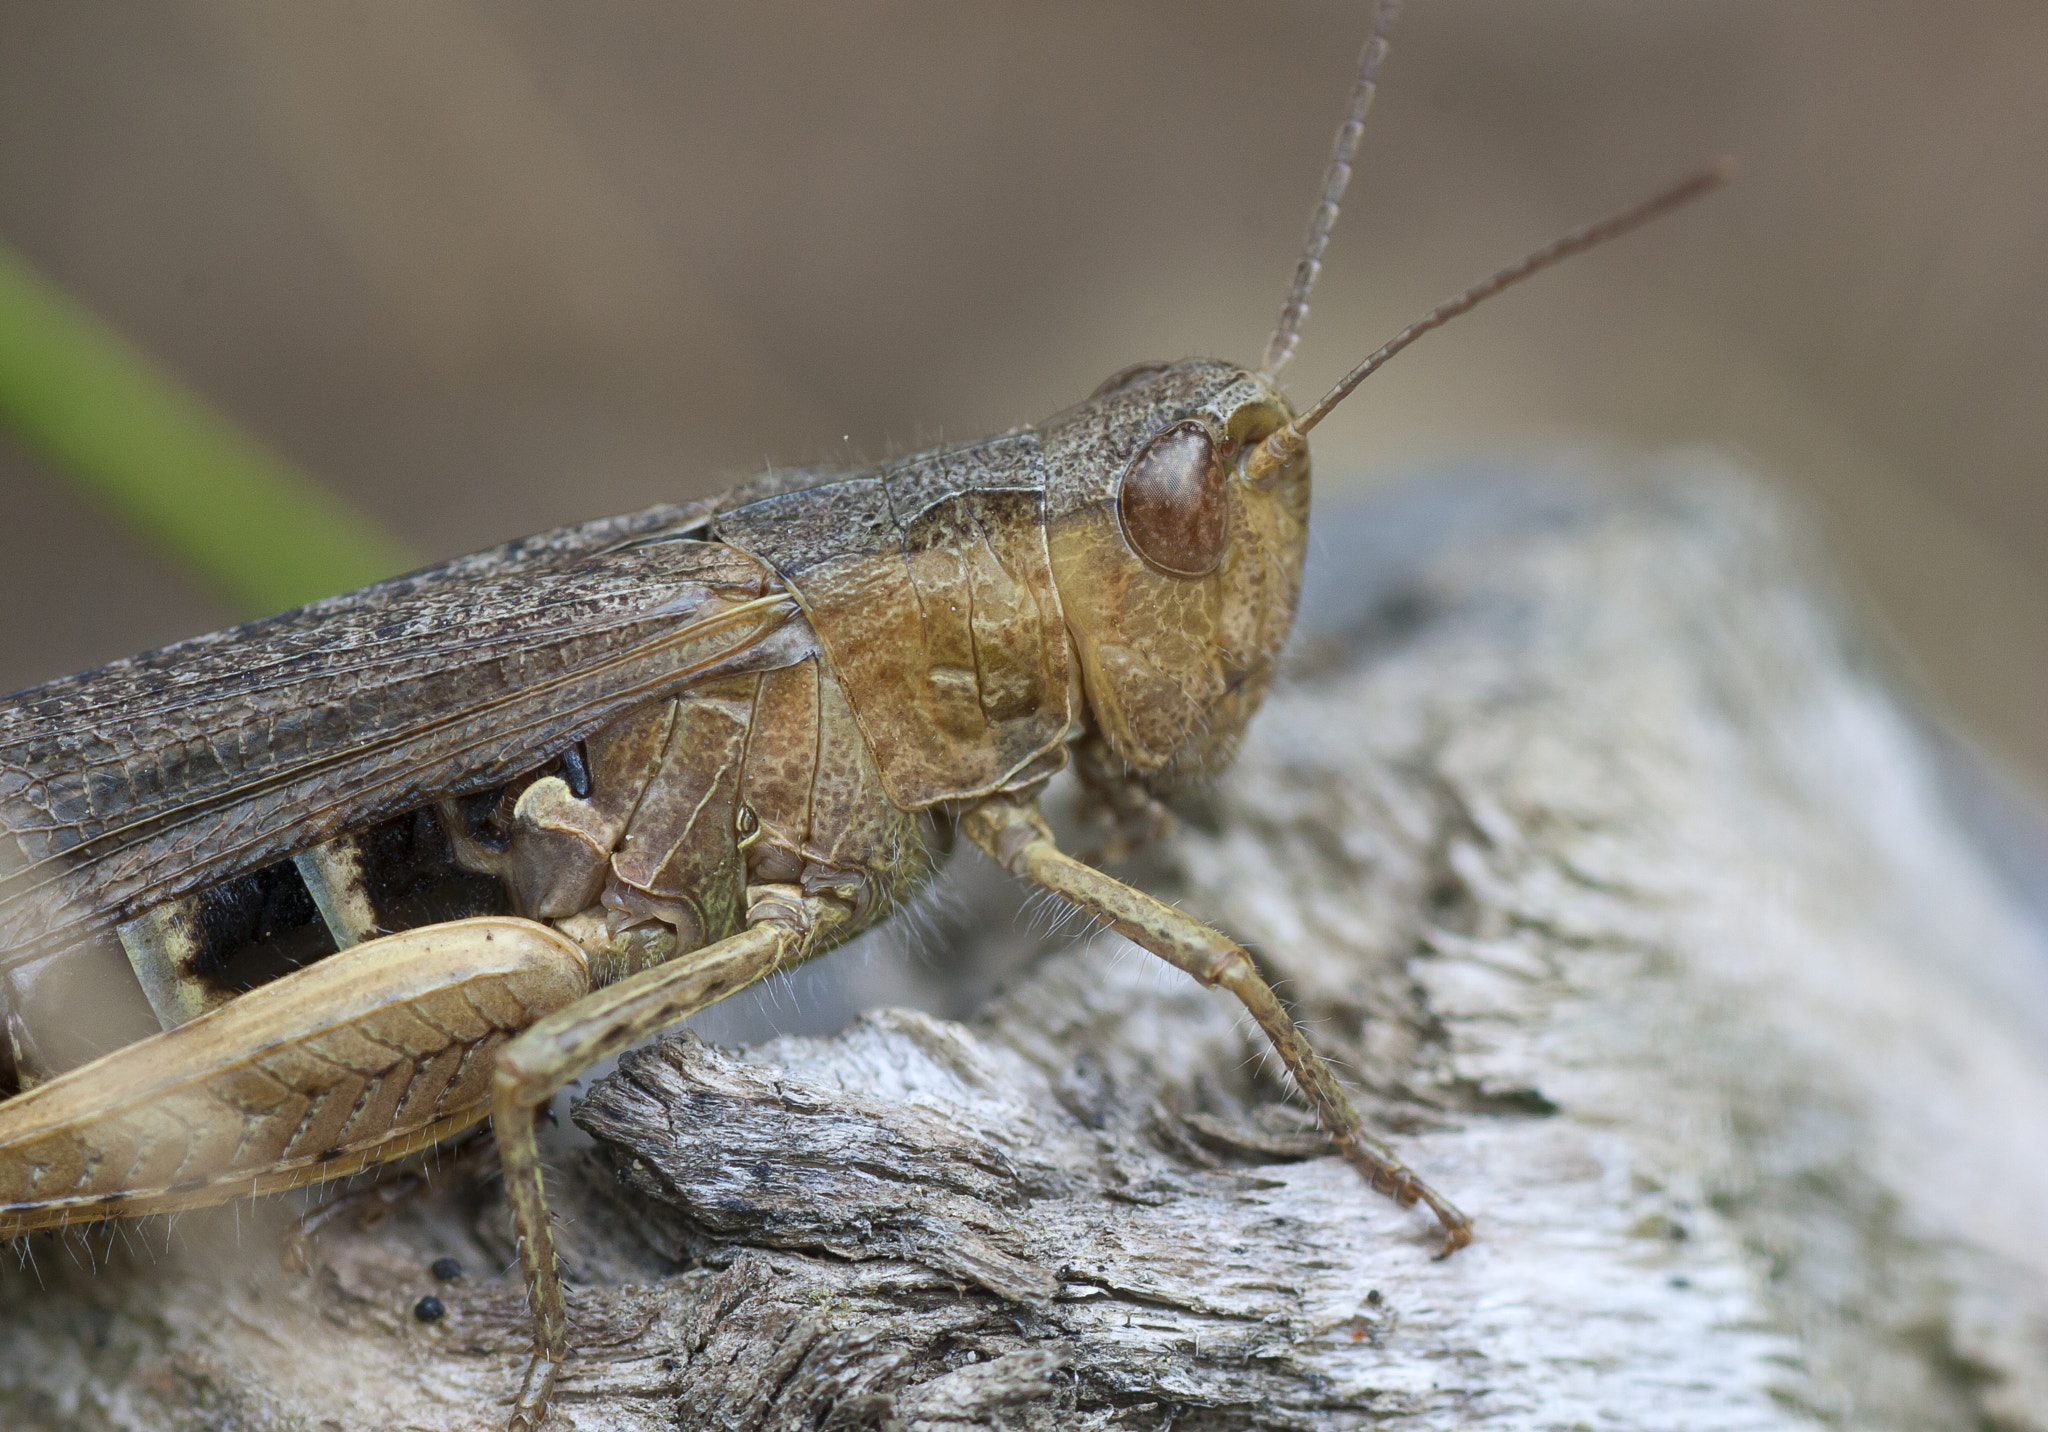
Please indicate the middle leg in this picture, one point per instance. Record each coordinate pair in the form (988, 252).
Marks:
(784, 926)
(1014, 833)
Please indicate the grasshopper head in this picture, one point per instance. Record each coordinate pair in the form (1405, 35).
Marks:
(1177, 501)
(1178, 572)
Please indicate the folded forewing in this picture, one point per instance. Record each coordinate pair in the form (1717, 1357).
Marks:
(144, 780)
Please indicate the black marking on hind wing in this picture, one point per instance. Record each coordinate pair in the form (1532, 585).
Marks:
(257, 927)
(409, 867)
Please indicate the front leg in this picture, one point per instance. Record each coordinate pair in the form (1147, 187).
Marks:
(1015, 834)
(784, 926)
(1112, 797)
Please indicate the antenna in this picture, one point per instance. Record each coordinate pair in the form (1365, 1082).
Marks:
(1289, 442)
(1336, 175)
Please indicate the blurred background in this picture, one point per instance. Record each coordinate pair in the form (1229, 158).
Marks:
(490, 268)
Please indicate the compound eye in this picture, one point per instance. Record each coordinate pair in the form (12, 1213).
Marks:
(1173, 504)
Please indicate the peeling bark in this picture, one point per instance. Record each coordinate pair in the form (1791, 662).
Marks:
(1639, 913)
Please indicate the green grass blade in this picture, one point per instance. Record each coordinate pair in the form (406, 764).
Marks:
(144, 448)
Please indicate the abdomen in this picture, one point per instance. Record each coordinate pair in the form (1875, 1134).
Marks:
(758, 778)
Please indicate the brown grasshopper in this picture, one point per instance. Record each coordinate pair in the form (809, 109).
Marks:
(374, 869)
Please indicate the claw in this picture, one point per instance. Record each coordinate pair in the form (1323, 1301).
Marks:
(1457, 1231)
(1389, 1176)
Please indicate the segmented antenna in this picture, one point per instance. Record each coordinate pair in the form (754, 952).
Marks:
(1288, 442)
(1336, 175)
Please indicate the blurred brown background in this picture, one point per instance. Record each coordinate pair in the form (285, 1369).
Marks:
(489, 268)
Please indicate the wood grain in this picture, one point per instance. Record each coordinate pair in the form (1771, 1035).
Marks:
(1642, 914)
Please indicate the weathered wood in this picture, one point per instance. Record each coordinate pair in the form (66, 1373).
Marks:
(1644, 920)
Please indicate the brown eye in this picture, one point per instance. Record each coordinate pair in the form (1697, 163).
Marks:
(1172, 502)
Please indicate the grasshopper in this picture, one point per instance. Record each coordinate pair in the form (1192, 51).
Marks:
(376, 869)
